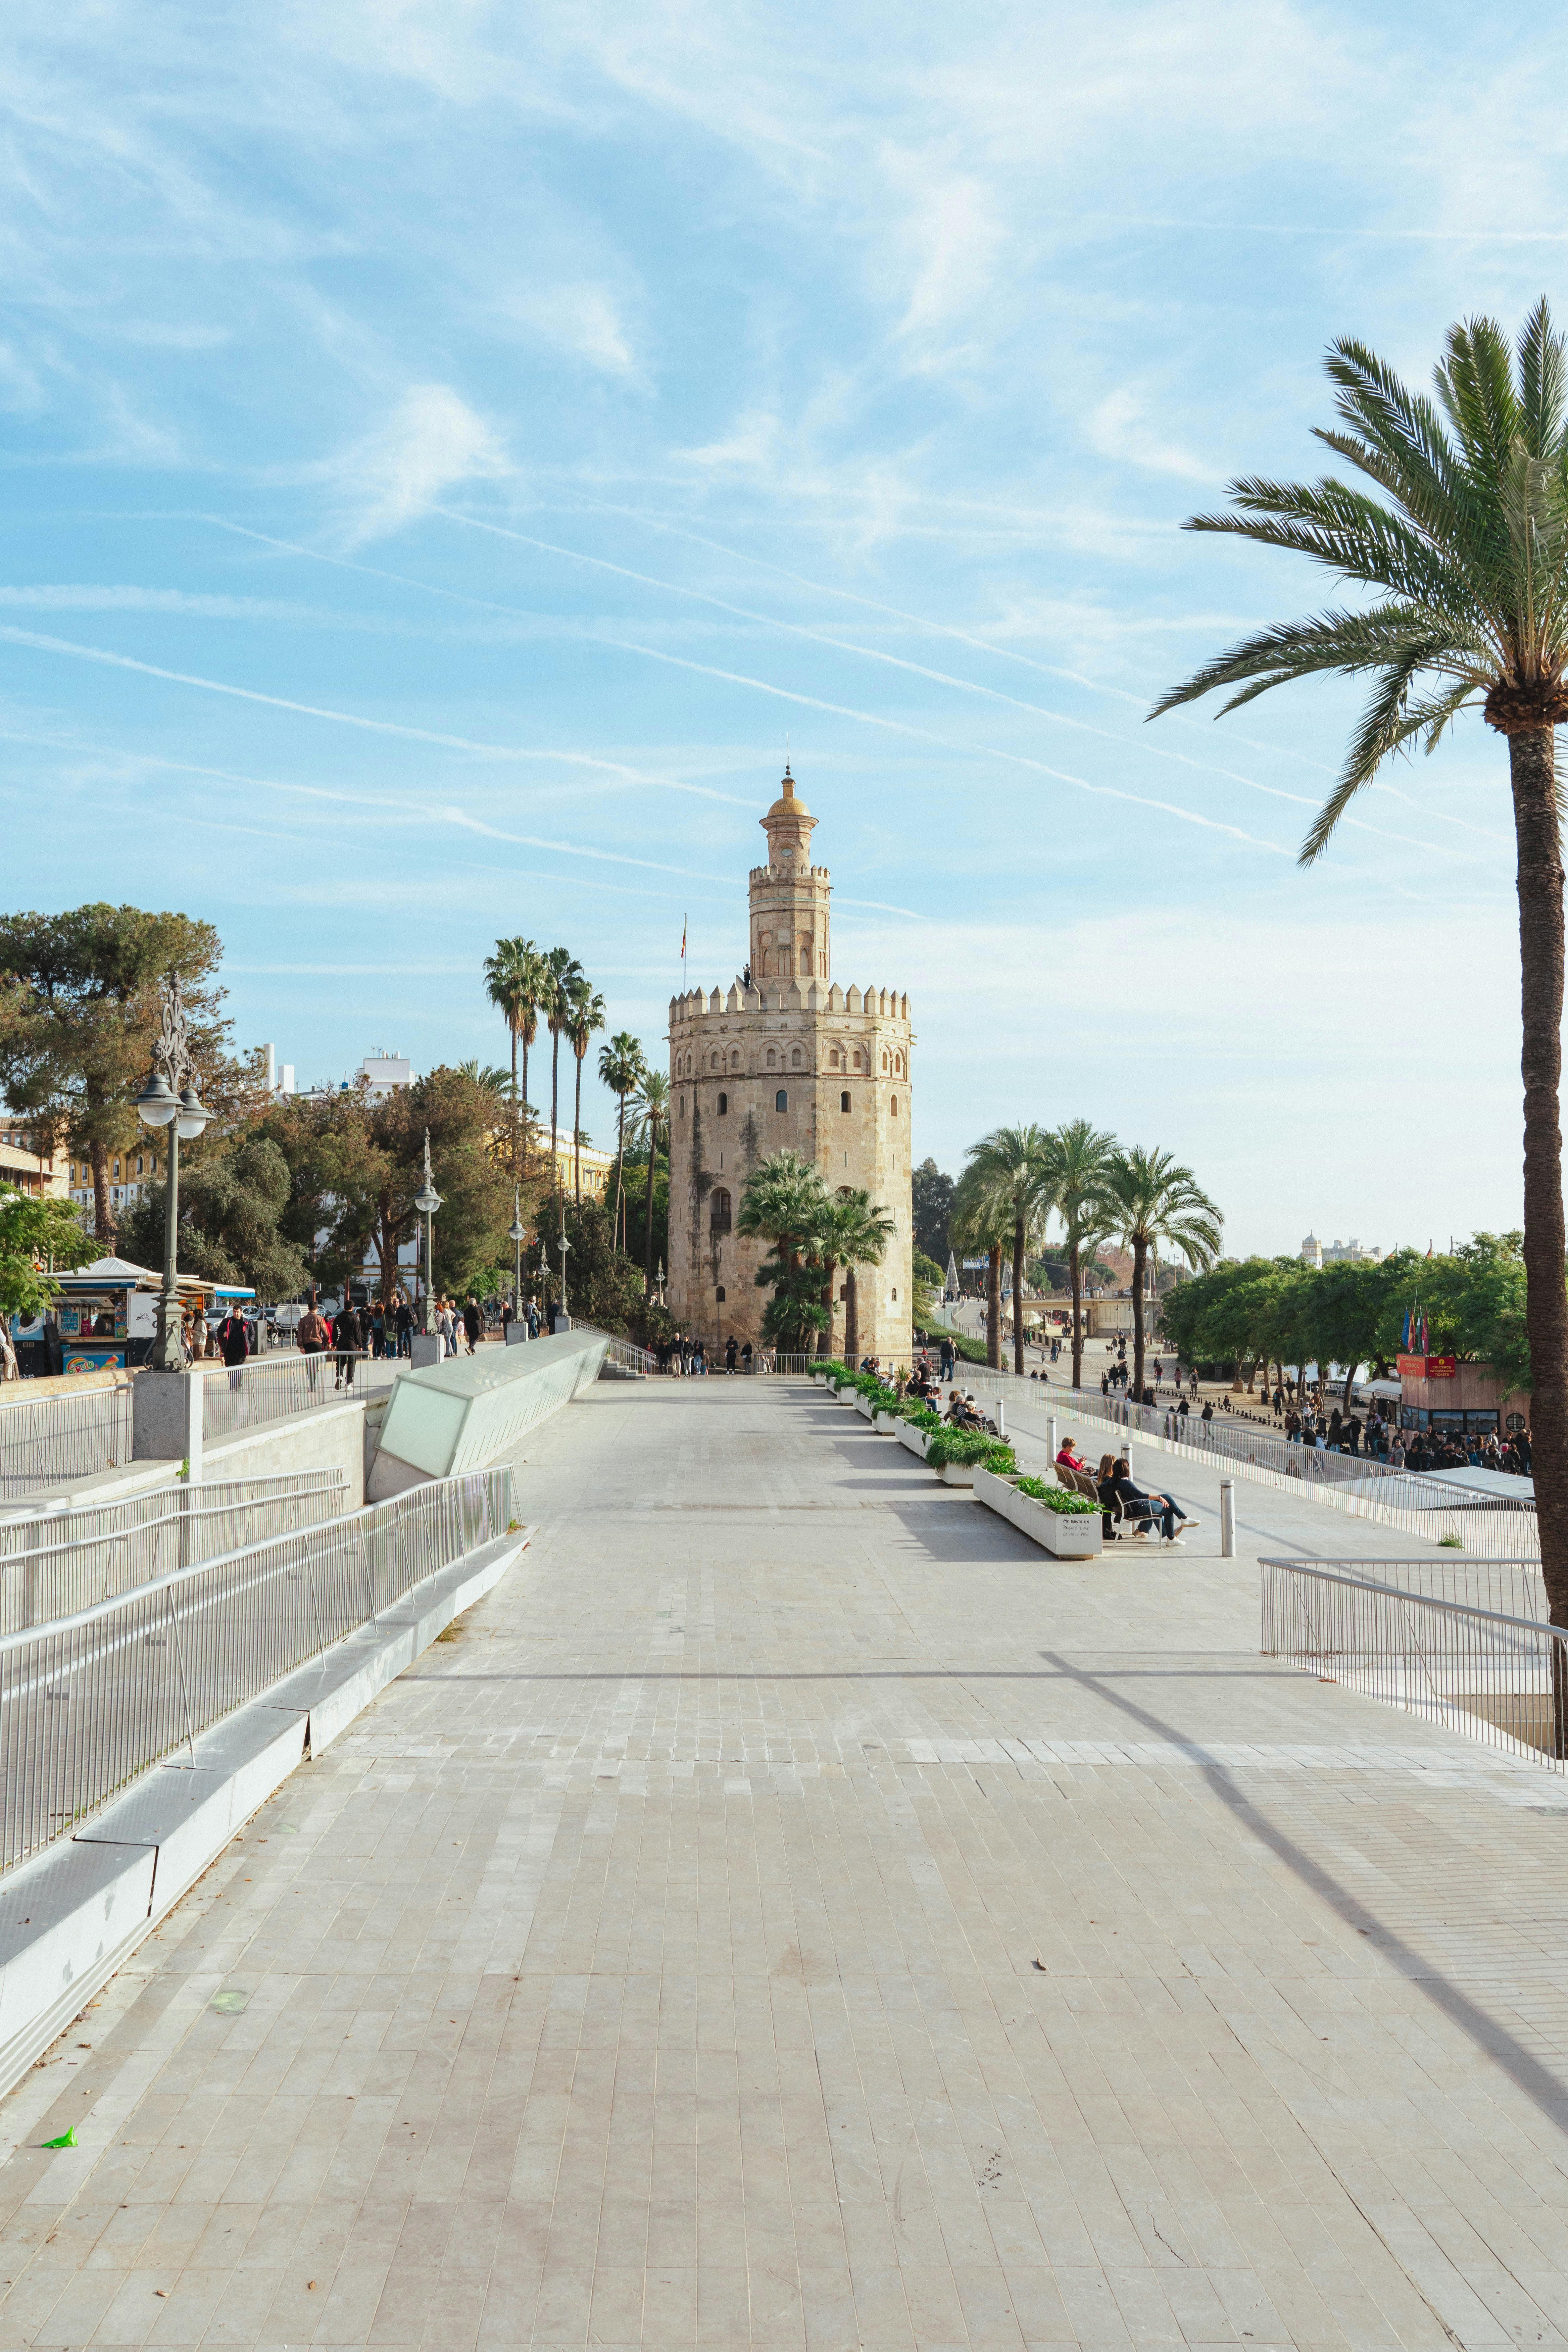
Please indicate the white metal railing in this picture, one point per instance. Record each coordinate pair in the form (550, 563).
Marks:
(1495, 1675)
(55, 1562)
(89, 1701)
(48, 1440)
(629, 1356)
(265, 1388)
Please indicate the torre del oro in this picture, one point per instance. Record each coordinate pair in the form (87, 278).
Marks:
(785, 1059)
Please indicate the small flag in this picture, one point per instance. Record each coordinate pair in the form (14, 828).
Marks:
(683, 938)
(66, 2139)
(1405, 1342)
(1425, 1343)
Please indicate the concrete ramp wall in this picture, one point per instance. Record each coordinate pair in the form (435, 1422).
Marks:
(467, 1412)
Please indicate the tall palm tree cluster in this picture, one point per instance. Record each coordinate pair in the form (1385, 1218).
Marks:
(815, 1236)
(529, 984)
(1018, 1178)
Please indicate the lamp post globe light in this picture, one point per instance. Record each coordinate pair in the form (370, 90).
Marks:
(427, 1201)
(169, 1098)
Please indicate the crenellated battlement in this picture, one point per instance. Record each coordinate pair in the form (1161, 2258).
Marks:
(879, 1004)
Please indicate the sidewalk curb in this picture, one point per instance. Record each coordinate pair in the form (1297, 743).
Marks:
(74, 1914)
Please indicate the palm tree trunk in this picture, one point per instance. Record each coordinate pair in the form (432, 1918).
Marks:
(1075, 1279)
(515, 1173)
(617, 1240)
(1018, 1297)
(851, 1322)
(524, 1105)
(554, 1095)
(825, 1337)
(577, 1137)
(993, 1307)
(1538, 827)
(1140, 1257)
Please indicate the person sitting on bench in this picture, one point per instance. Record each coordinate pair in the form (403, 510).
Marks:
(1144, 1507)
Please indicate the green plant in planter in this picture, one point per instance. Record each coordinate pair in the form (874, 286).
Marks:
(966, 1447)
(1057, 1498)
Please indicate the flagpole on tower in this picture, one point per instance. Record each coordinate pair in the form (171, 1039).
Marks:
(683, 954)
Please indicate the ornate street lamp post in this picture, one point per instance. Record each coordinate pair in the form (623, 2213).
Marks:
(427, 1201)
(170, 1100)
(516, 1237)
(564, 1246)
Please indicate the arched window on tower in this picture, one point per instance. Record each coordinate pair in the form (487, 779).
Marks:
(773, 1060)
(723, 1105)
(719, 1210)
(843, 1102)
(780, 1101)
(884, 1065)
(895, 1106)
(794, 1061)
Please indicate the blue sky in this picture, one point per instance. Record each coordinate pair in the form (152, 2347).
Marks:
(450, 447)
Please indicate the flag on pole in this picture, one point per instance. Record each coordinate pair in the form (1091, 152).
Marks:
(1405, 1340)
(683, 945)
(1424, 1338)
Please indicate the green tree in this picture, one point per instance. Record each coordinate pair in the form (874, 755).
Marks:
(1151, 1198)
(35, 1235)
(1077, 1165)
(1475, 1300)
(851, 1232)
(653, 1121)
(784, 1202)
(586, 1015)
(513, 985)
(932, 1204)
(1017, 1166)
(621, 1067)
(981, 1221)
(1465, 549)
(1351, 1313)
(79, 1008)
(231, 1202)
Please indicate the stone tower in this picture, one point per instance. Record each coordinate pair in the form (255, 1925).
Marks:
(786, 1060)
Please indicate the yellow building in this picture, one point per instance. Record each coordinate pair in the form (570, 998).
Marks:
(39, 1174)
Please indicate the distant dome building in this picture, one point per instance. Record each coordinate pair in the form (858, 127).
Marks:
(786, 1060)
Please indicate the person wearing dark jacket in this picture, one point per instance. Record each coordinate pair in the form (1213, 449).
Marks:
(1143, 1507)
(473, 1322)
(234, 1345)
(347, 1340)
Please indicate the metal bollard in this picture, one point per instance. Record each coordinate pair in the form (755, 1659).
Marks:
(999, 1416)
(1051, 1434)
(1227, 1519)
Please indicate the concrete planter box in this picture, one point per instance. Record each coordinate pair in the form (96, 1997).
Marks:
(915, 1439)
(957, 1474)
(887, 1424)
(863, 1406)
(1075, 1535)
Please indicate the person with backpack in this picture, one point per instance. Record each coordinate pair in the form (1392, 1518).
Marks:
(348, 1339)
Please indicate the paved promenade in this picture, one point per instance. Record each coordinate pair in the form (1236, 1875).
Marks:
(794, 1912)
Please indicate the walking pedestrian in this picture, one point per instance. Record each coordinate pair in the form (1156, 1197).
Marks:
(313, 1337)
(348, 1342)
(234, 1346)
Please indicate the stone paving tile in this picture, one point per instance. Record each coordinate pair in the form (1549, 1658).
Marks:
(792, 1914)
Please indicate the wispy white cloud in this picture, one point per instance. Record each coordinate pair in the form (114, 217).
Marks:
(583, 320)
(432, 441)
(1120, 428)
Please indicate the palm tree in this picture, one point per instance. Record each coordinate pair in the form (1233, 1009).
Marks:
(1152, 1199)
(785, 1201)
(494, 1079)
(851, 1233)
(980, 1221)
(584, 1016)
(1012, 1162)
(1077, 1160)
(511, 983)
(1466, 553)
(560, 971)
(621, 1068)
(653, 1120)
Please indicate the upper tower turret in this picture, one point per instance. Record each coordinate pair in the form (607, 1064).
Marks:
(790, 896)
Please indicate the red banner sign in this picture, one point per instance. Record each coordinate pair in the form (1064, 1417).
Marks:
(1428, 1368)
